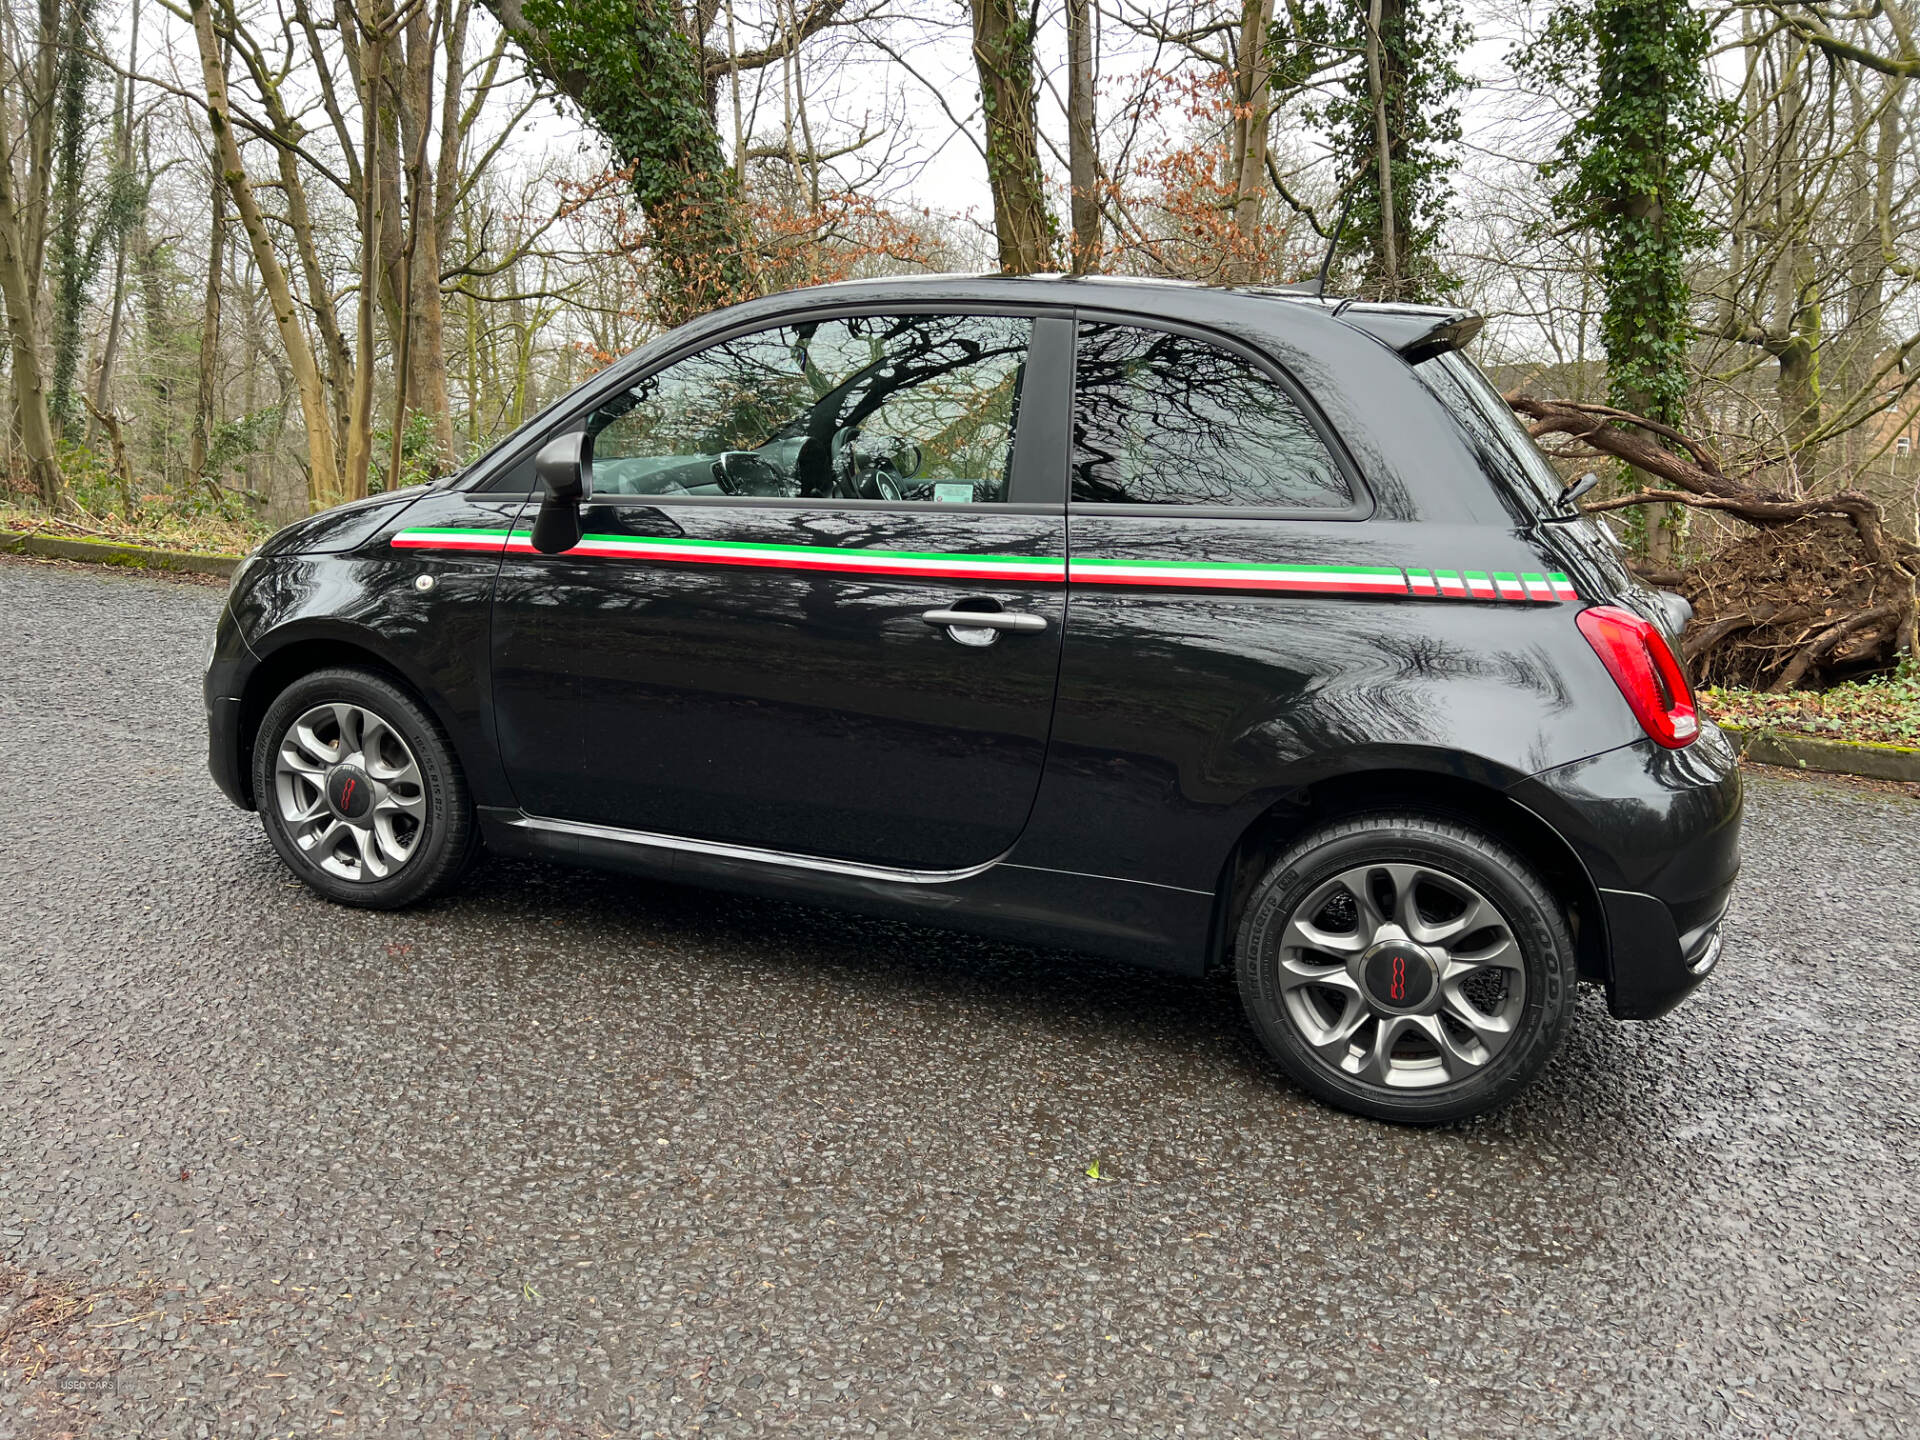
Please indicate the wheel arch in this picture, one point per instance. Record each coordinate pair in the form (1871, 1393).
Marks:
(302, 655)
(1482, 806)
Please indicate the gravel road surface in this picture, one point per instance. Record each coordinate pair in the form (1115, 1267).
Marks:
(563, 1155)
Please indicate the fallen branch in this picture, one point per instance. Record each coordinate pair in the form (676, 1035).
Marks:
(1694, 477)
(1826, 640)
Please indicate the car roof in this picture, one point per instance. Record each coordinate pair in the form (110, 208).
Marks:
(1415, 330)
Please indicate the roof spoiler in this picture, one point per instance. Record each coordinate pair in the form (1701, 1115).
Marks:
(1417, 333)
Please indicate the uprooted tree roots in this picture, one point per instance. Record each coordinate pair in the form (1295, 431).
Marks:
(1820, 590)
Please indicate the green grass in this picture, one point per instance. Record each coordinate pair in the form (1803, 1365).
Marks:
(1885, 710)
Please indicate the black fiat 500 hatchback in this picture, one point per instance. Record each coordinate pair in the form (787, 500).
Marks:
(1190, 627)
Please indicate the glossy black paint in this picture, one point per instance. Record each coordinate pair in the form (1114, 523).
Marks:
(1099, 784)
(796, 710)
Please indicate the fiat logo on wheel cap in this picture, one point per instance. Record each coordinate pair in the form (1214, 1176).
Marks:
(350, 792)
(1399, 977)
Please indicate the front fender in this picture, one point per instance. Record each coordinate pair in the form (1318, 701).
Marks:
(300, 613)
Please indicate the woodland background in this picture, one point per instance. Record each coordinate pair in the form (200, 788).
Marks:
(261, 256)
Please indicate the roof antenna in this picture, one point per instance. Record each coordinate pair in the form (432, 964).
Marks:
(1333, 242)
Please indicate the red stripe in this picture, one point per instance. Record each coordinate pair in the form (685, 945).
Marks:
(444, 542)
(792, 562)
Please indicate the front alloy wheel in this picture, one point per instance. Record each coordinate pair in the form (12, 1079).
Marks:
(360, 792)
(350, 792)
(1406, 968)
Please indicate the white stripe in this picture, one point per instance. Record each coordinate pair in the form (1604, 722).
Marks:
(1226, 572)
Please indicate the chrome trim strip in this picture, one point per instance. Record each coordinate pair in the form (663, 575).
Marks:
(850, 869)
(1110, 879)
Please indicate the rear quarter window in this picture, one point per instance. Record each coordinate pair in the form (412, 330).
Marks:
(1499, 441)
(1167, 419)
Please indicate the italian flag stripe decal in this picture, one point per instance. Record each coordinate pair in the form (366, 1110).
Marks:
(1216, 575)
(1133, 574)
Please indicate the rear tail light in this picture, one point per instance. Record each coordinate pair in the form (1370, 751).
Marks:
(1642, 665)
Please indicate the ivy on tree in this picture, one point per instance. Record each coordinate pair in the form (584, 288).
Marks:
(638, 75)
(1628, 172)
(1420, 44)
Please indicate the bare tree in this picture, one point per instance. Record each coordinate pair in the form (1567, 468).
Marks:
(1083, 155)
(28, 87)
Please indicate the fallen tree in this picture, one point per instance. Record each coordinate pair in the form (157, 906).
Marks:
(1821, 589)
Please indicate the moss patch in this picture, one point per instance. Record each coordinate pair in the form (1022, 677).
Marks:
(1883, 711)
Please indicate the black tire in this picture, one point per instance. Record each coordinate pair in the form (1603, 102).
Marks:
(444, 842)
(1442, 850)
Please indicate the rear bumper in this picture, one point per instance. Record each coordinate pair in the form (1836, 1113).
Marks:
(1655, 962)
(1658, 832)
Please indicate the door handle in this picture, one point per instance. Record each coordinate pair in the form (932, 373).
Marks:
(986, 620)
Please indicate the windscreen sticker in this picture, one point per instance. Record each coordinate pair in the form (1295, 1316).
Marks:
(1523, 588)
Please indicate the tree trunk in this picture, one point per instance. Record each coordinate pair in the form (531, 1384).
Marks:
(1377, 87)
(20, 290)
(1083, 168)
(420, 339)
(1003, 55)
(71, 260)
(1252, 117)
(29, 387)
(204, 393)
(1797, 299)
(375, 220)
(1662, 521)
(323, 470)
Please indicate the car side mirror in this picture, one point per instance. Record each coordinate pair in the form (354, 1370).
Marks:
(561, 468)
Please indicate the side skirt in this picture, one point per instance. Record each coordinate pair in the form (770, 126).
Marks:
(1157, 926)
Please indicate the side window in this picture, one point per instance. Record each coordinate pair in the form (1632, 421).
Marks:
(1164, 419)
(905, 407)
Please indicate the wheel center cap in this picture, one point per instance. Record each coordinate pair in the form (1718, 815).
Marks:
(1399, 976)
(350, 793)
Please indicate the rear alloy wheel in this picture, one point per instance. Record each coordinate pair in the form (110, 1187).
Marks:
(359, 792)
(1406, 968)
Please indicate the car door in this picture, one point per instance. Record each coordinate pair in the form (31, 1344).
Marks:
(747, 645)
